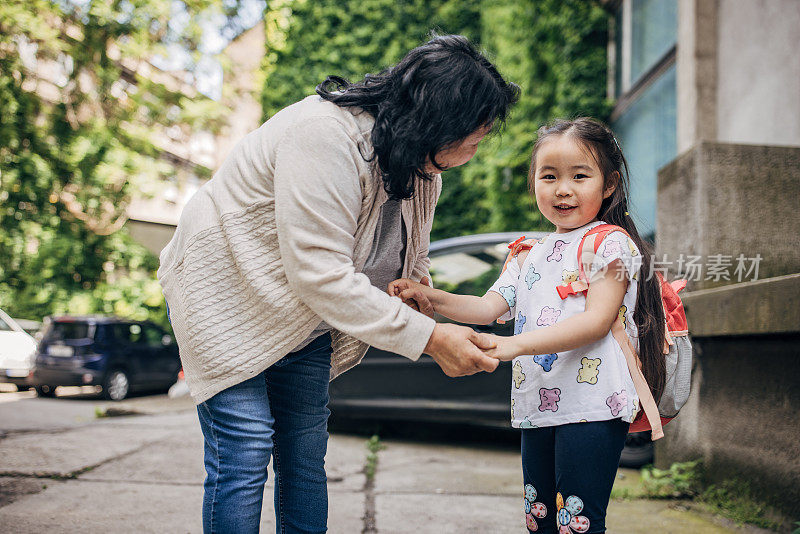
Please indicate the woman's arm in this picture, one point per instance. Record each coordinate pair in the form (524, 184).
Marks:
(318, 199)
(603, 301)
(462, 308)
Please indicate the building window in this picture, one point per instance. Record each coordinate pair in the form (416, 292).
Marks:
(644, 84)
(647, 134)
(654, 30)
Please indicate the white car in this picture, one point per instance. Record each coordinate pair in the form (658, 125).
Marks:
(17, 352)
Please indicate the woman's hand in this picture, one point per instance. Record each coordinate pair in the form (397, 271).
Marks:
(412, 294)
(458, 350)
(508, 347)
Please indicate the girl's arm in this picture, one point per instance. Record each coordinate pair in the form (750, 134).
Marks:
(462, 308)
(603, 301)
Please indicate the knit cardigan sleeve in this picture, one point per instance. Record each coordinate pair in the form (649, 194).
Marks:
(422, 265)
(319, 175)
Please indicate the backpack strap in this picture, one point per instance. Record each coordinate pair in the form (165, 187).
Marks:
(640, 384)
(587, 250)
(515, 248)
(589, 246)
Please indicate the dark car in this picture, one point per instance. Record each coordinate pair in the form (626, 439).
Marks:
(120, 355)
(387, 386)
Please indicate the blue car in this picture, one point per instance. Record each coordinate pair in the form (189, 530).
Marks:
(120, 355)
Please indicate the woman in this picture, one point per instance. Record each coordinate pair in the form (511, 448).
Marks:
(276, 275)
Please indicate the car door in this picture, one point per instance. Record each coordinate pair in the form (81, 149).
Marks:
(163, 363)
(135, 353)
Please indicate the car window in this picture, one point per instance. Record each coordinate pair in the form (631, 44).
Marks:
(104, 333)
(122, 332)
(134, 333)
(63, 331)
(469, 271)
(152, 336)
(5, 327)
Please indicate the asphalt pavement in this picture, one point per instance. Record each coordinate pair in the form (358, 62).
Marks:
(65, 467)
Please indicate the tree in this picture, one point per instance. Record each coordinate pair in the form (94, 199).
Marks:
(81, 106)
(555, 50)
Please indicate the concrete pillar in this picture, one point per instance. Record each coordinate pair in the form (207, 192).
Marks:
(731, 199)
(696, 64)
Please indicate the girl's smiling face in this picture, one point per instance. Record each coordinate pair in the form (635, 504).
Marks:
(568, 183)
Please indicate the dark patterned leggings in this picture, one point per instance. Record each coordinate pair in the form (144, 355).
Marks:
(568, 471)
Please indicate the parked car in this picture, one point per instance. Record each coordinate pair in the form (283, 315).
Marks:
(17, 352)
(120, 355)
(387, 386)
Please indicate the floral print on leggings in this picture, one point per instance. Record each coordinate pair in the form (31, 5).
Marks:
(533, 509)
(567, 517)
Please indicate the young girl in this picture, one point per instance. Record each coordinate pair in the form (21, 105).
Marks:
(572, 393)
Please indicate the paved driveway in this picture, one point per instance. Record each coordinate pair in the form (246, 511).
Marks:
(62, 469)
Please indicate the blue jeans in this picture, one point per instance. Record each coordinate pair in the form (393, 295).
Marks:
(281, 413)
(577, 460)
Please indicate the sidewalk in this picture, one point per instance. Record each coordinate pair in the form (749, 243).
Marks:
(144, 473)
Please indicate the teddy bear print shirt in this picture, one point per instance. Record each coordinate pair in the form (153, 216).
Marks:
(591, 383)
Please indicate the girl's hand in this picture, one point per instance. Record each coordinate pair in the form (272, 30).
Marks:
(412, 294)
(507, 348)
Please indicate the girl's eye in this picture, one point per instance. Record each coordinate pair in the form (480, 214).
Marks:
(579, 176)
(547, 177)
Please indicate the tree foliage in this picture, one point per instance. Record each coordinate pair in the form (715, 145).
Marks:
(81, 107)
(555, 50)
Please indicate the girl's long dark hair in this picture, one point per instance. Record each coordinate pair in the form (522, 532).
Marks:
(649, 312)
(437, 95)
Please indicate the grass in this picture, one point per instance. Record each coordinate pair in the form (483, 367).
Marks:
(113, 411)
(373, 445)
(733, 499)
(681, 480)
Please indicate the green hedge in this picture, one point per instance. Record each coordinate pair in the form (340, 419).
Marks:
(555, 50)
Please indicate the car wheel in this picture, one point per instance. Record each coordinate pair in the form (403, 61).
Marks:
(638, 450)
(45, 390)
(115, 386)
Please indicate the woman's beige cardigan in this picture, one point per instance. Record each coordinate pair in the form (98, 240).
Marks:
(276, 241)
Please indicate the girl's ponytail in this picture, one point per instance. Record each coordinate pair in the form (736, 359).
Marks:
(649, 312)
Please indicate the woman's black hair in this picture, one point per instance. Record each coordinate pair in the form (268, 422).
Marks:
(437, 95)
(649, 314)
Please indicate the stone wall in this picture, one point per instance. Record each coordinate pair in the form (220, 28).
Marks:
(741, 415)
(728, 199)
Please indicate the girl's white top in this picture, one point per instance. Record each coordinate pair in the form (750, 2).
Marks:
(591, 383)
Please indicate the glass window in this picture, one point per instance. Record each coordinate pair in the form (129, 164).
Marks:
(152, 336)
(67, 331)
(468, 272)
(134, 333)
(123, 333)
(654, 30)
(4, 326)
(104, 333)
(647, 133)
(618, 59)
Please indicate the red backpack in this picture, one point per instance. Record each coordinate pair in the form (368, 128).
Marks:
(677, 345)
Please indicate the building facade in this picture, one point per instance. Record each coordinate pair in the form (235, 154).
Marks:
(708, 113)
